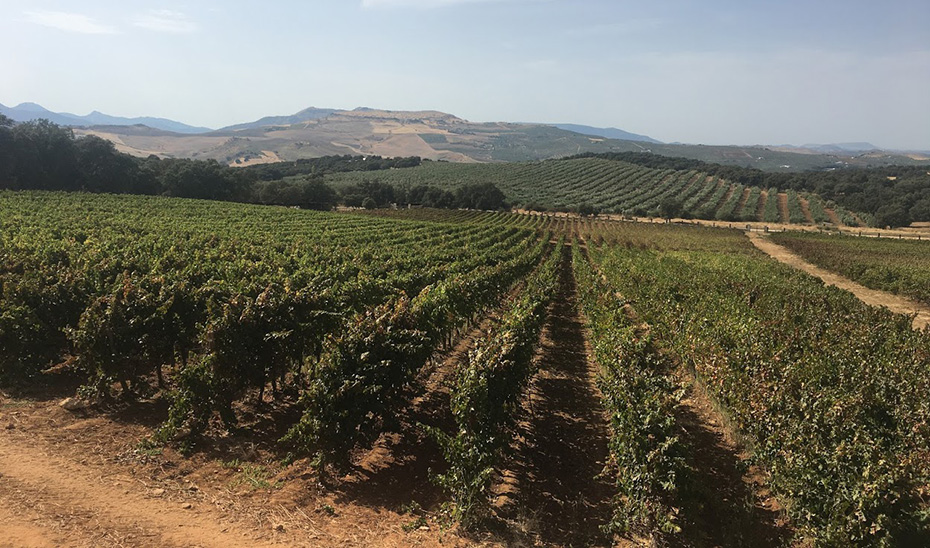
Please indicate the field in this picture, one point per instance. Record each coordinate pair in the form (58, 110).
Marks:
(264, 376)
(614, 187)
(899, 266)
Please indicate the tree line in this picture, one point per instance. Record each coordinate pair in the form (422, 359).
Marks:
(329, 164)
(41, 155)
(894, 195)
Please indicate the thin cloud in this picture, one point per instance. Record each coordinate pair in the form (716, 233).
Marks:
(165, 21)
(69, 22)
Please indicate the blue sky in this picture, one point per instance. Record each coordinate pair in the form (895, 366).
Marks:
(712, 71)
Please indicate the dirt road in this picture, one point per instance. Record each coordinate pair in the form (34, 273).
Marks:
(872, 297)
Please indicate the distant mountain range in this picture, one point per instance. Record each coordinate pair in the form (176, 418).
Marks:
(843, 147)
(606, 132)
(26, 112)
(433, 135)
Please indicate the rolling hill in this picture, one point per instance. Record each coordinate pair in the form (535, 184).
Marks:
(315, 132)
(616, 187)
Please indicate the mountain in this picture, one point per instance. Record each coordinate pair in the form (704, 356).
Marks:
(305, 115)
(429, 134)
(26, 112)
(606, 132)
(834, 148)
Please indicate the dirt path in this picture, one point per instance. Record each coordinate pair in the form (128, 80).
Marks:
(871, 297)
(832, 216)
(52, 501)
(550, 489)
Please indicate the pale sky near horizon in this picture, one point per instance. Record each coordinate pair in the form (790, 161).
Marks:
(712, 72)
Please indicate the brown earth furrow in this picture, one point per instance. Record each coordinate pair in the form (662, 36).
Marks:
(872, 297)
(727, 501)
(742, 201)
(760, 207)
(806, 210)
(550, 490)
(783, 207)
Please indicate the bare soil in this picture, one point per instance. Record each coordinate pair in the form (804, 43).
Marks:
(727, 501)
(81, 479)
(783, 207)
(70, 482)
(742, 200)
(550, 493)
(871, 297)
(806, 210)
(760, 207)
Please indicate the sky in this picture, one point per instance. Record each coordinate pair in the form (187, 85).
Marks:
(708, 71)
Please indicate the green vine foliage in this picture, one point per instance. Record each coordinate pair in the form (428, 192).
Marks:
(486, 392)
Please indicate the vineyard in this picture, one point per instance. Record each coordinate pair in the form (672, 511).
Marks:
(615, 187)
(459, 377)
(901, 267)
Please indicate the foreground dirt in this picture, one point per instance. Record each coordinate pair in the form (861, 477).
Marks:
(871, 297)
(58, 490)
(81, 480)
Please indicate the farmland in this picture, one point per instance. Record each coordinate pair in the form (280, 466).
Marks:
(901, 267)
(276, 376)
(612, 187)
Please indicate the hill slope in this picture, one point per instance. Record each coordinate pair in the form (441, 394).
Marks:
(316, 132)
(610, 186)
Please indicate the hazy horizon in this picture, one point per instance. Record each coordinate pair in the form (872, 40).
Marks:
(720, 72)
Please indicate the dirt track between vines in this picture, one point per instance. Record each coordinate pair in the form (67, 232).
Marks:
(550, 488)
(872, 297)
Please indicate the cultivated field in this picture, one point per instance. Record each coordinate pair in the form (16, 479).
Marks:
(619, 188)
(898, 266)
(243, 375)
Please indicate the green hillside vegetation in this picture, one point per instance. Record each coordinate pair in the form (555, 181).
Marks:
(881, 196)
(43, 156)
(587, 185)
